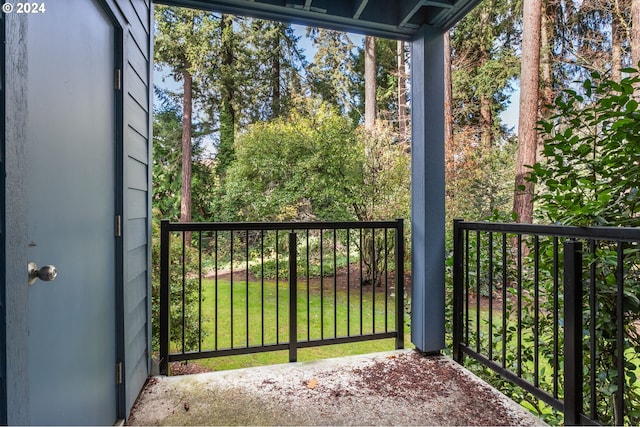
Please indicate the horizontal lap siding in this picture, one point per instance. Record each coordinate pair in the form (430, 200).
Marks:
(136, 98)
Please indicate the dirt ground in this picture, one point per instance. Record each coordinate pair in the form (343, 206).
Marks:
(327, 282)
(392, 388)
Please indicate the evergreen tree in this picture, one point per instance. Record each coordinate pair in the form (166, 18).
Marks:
(484, 64)
(181, 44)
(275, 63)
(330, 75)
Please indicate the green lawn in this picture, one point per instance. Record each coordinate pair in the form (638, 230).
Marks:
(260, 316)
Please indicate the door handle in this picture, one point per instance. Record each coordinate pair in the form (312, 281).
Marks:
(46, 273)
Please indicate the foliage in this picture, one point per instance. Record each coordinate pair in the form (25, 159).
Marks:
(386, 81)
(181, 40)
(166, 168)
(591, 177)
(484, 65)
(298, 167)
(190, 306)
(275, 63)
(331, 73)
(478, 179)
(313, 165)
(590, 172)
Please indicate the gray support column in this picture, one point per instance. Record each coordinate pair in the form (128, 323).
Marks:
(17, 298)
(427, 191)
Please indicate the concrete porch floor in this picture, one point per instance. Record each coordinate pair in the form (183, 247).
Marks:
(391, 388)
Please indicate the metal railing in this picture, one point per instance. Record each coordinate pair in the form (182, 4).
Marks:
(554, 310)
(239, 288)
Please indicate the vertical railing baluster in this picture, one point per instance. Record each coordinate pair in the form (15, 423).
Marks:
(246, 288)
(199, 290)
(262, 285)
(572, 332)
(505, 283)
(308, 291)
(348, 284)
(400, 284)
(490, 290)
(386, 280)
(215, 297)
(536, 309)
(458, 245)
(335, 285)
(467, 255)
(519, 297)
(277, 288)
(293, 297)
(231, 288)
(164, 297)
(361, 278)
(620, 380)
(592, 331)
(478, 343)
(374, 280)
(184, 285)
(321, 285)
(556, 316)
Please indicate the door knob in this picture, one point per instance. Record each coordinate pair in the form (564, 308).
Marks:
(46, 273)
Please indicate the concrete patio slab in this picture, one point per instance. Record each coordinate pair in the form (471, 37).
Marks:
(391, 388)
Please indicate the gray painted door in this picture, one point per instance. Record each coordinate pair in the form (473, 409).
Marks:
(71, 187)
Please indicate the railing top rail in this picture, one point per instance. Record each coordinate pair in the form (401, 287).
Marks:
(627, 234)
(290, 225)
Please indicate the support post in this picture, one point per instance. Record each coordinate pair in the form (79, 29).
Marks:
(427, 191)
(164, 297)
(572, 332)
(293, 297)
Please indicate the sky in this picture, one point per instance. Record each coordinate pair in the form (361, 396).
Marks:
(510, 115)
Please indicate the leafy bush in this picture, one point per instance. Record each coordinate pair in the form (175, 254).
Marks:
(590, 176)
(191, 327)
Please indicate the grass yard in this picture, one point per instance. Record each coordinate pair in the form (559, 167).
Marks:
(254, 313)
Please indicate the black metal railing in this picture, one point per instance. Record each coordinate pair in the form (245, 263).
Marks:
(554, 310)
(239, 288)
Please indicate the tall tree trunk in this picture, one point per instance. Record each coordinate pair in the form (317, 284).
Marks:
(275, 77)
(486, 119)
(402, 95)
(635, 33)
(370, 75)
(486, 122)
(448, 92)
(546, 65)
(616, 47)
(187, 108)
(529, 96)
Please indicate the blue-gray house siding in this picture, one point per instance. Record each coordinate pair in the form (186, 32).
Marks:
(137, 194)
(133, 46)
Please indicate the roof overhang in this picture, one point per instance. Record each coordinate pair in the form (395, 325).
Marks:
(398, 19)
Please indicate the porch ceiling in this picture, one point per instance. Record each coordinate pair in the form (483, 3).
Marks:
(398, 19)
